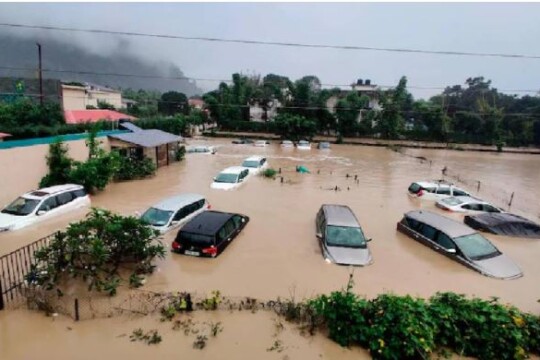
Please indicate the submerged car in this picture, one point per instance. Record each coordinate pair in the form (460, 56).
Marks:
(174, 211)
(341, 238)
(466, 204)
(39, 205)
(261, 143)
(287, 144)
(323, 145)
(255, 164)
(303, 145)
(230, 178)
(458, 242)
(209, 233)
(242, 142)
(504, 224)
(201, 149)
(435, 190)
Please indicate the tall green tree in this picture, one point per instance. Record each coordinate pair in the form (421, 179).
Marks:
(172, 103)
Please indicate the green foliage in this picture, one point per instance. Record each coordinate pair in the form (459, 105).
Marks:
(131, 168)
(105, 105)
(402, 327)
(180, 153)
(151, 337)
(294, 127)
(172, 103)
(174, 125)
(59, 164)
(25, 113)
(94, 249)
(269, 173)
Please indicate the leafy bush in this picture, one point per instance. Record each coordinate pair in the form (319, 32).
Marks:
(180, 153)
(94, 249)
(402, 327)
(131, 169)
(269, 173)
(59, 165)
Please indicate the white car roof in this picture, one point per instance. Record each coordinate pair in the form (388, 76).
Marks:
(254, 158)
(432, 183)
(177, 202)
(40, 193)
(233, 170)
(467, 200)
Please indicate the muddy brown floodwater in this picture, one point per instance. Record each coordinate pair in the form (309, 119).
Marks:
(278, 254)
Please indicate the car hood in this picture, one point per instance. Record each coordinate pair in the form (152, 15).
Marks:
(500, 266)
(7, 220)
(349, 256)
(223, 186)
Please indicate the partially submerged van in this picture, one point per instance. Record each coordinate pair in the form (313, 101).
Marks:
(459, 242)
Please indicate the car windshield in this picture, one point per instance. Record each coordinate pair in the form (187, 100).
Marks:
(476, 247)
(196, 239)
(452, 201)
(156, 217)
(303, 142)
(21, 207)
(251, 164)
(345, 236)
(226, 178)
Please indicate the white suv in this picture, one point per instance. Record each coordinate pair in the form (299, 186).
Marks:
(435, 190)
(39, 205)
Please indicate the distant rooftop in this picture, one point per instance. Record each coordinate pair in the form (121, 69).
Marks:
(83, 116)
(148, 138)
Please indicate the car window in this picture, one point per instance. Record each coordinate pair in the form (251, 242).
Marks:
(226, 230)
(476, 247)
(346, 236)
(64, 198)
(445, 241)
(473, 207)
(490, 208)
(78, 193)
(413, 224)
(458, 192)
(21, 207)
(428, 231)
(49, 204)
(263, 160)
(443, 191)
(237, 220)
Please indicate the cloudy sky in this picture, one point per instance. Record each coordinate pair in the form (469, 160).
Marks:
(483, 27)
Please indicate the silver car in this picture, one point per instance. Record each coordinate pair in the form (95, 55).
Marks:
(174, 211)
(458, 242)
(341, 237)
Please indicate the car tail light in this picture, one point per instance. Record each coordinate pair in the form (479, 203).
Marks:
(176, 246)
(212, 250)
(209, 206)
(420, 192)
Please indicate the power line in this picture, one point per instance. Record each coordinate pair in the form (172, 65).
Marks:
(273, 43)
(81, 72)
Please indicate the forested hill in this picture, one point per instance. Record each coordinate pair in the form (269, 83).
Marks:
(22, 52)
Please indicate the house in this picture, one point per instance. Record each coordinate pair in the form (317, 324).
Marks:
(3, 136)
(159, 146)
(196, 103)
(85, 116)
(80, 96)
(363, 88)
(257, 113)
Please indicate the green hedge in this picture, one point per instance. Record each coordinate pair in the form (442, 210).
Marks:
(403, 327)
(248, 126)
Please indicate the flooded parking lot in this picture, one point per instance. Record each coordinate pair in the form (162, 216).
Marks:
(278, 254)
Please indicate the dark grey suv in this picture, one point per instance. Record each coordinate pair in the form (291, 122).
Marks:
(459, 242)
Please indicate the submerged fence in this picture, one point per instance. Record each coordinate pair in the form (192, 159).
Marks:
(13, 269)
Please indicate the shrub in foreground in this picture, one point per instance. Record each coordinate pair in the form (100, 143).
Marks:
(269, 173)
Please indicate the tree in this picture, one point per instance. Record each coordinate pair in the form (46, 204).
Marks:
(294, 127)
(93, 250)
(172, 103)
(394, 102)
(59, 164)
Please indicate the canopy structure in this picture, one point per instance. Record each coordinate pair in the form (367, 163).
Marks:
(504, 224)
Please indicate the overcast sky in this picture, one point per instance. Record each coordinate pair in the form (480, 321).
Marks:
(483, 27)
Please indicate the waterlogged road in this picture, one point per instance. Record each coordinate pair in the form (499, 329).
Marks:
(278, 255)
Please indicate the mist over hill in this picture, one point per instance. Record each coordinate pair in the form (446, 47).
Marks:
(21, 52)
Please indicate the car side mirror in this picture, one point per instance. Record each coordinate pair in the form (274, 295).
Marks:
(215, 178)
(368, 240)
(319, 235)
(41, 212)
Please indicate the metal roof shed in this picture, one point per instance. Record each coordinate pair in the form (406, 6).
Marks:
(158, 145)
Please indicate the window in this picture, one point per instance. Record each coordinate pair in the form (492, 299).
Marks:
(428, 231)
(64, 198)
(156, 217)
(226, 230)
(49, 204)
(473, 207)
(443, 191)
(237, 220)
(445, 241)
(413, 224)
(476, 247)
(263, 161)
(78, 193)
(346, 236)
(21, 207)
(458, 192)
(490, 208)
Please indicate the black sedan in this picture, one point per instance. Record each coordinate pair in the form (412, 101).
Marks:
(209, 233)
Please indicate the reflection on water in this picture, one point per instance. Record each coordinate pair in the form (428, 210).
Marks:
(278, 254)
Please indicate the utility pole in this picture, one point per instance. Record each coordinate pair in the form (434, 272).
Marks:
(40, 76)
